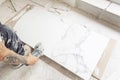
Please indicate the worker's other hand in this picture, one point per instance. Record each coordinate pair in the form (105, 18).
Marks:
(31, 59)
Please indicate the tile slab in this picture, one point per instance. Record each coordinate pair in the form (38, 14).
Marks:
(68, 45)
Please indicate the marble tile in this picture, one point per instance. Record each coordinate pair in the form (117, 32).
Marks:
(102, 9)
(94, 7)
(114, 8)
(112, 14)
(77, 55)
(116, 1)
(99, 3)
(68, 43)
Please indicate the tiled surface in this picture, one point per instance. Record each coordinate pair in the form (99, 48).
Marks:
(112, 14)
(102, 27)
(116, 1)
(114, 8)
(102, 9)
(68, 45)
(61, 41)
(92, 6)
(102, 4)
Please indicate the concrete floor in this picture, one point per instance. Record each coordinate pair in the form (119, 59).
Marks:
(45, 71)
(40, 71)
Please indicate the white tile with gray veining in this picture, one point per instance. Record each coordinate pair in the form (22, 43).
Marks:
(65, 40)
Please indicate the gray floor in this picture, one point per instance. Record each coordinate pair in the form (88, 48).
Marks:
(46, 72)
(40, 71)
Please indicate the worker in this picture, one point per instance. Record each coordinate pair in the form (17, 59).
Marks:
(12, 48)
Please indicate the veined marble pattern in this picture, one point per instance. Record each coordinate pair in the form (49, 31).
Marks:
(71, 51)
(68, 43)
(68, 52)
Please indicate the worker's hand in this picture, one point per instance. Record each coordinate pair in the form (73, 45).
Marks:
(31, 59)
